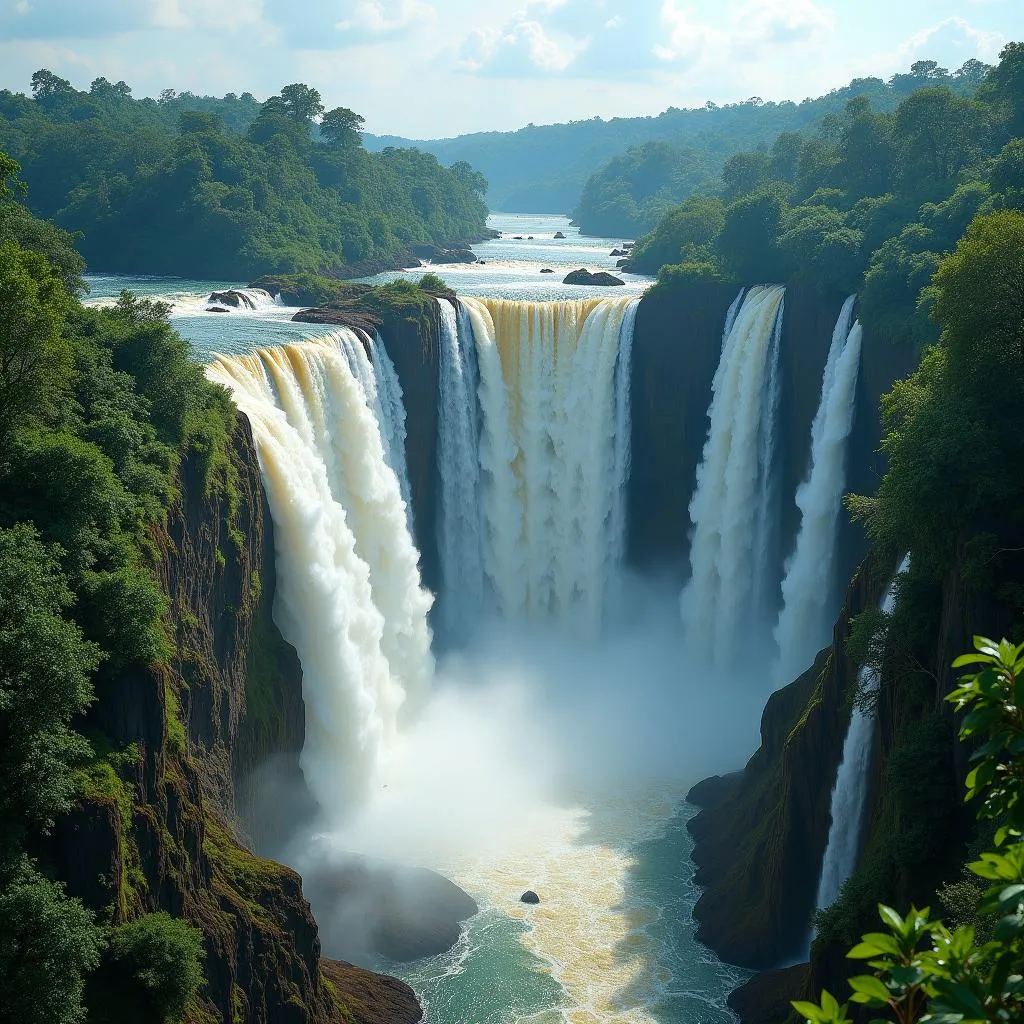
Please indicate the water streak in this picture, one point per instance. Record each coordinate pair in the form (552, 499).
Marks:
(849, 796)
(718, 602)
(808, 586)
(460, 528)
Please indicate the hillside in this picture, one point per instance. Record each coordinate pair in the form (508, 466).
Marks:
(543, 168)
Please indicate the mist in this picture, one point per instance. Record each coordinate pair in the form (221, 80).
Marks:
(525, 725)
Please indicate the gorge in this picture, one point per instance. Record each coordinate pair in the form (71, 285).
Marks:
(531, 411)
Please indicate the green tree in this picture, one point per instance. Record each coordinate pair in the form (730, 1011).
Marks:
(48, 944)
(45, 682)
(151, 971)
(939, 133)
(342, 127)
(302, 102)
(749, 240)
(35, 360)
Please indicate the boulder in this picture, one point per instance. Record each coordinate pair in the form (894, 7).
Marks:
(601, 278)
(627, 245)
(233, 297)
(454, 256)
(558, 234)
(370, 907)
(529, 897)
(217, 309)
(617, 252)
(623, 262)
(481, 261)
(529, 238)
(547, 270)
(518, 238)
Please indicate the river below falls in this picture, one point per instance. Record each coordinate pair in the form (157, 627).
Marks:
(612, 940)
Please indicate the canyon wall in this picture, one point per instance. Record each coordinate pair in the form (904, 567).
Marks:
(761, 833)
(156, 828)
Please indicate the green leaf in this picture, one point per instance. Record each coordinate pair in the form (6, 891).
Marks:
(810, 1011)
(871, 987)
(986, 646)
(891, 918)
(961, 998)
(972, 659)
(879, 943)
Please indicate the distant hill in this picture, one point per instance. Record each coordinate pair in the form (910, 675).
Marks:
(543, 168)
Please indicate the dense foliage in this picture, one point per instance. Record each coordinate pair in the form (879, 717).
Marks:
(921, 969)
(227, 188)
(96, 409)
(544, 168)
(868, 203)
(631, 192)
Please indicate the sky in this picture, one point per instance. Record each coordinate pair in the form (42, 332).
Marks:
(436, 68)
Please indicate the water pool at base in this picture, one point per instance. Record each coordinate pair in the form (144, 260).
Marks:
(612, 941)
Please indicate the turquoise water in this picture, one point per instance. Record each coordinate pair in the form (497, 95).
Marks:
(613, 941)
(489, 978)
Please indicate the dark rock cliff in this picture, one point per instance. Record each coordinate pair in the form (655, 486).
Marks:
(676, 348)
(412, 343)
(761, 833)
(160, 834)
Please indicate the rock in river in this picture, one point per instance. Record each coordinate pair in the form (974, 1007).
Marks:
(586, 277)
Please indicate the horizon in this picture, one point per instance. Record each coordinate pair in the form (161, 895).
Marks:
(517, 63)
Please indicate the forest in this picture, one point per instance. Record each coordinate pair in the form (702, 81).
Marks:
(868, 203)
(589, 167)
(632, 192)
(228, 188)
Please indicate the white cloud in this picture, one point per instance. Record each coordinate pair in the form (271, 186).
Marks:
(951, 41)
(687, 40)
(593, 39)
(188, 15)
(520, 48)
(762, 23)
(374, 17)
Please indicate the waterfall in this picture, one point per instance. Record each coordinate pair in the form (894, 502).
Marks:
(767, 504)
(729, 500)
(554, 455)
(460, 537)
(849, 795)
(808, 584)
(349, 596)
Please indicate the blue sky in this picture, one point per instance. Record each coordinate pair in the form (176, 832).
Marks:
(432, 68)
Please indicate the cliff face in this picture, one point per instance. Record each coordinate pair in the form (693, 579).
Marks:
(413, 345)
(155, 832)
(761, 833)
(676, 349)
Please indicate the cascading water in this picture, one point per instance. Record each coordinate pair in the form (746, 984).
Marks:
(729, 501)
(349, 596)
(460, 529)
(849, 795)
(808, 584)
(255, 298)
(767, 505)
(555, 403)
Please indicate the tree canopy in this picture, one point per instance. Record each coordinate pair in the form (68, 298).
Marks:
(226, 188)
